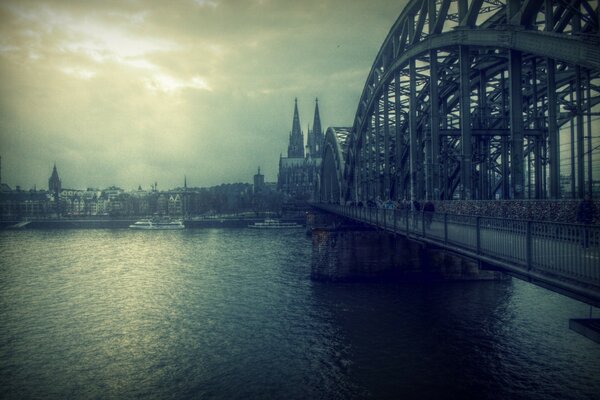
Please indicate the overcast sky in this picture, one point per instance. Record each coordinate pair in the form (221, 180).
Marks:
(130, 92)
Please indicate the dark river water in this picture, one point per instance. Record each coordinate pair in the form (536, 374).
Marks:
(233, 314)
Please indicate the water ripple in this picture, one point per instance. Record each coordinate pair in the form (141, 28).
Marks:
(233, 314)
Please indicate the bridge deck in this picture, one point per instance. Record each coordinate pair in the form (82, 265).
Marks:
(561, 257)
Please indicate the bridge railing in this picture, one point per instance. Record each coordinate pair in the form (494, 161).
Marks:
(566, 250)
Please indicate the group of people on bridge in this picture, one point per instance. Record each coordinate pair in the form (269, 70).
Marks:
(414, 205)
(584, 211)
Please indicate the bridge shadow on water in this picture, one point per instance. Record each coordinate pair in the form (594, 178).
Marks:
(494, 339)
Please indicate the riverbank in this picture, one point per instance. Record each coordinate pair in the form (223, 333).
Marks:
(84, 223)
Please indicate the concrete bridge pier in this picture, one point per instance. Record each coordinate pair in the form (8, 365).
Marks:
(346, 251)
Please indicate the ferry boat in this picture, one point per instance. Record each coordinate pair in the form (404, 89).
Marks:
(274, 224)
(158, 224)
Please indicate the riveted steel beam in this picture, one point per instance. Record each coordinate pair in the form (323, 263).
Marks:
(466, 179)
(553, 133)
(415, 182)
(434, 113)
(567, 49)
(516, 124)
(528, 83)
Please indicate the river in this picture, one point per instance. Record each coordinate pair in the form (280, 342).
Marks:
(233, 314)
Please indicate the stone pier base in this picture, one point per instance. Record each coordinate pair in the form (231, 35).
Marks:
(348, 254)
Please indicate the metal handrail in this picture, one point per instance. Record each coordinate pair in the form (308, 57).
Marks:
(562, 249)
(325, 205)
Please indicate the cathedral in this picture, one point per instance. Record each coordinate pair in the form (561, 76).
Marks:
(298, 172)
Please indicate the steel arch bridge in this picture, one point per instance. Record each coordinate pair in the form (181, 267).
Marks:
(476, 99)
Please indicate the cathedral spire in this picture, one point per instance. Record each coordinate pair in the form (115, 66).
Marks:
(317, 133)
(317, 120)
(309, 140)
(296, 123)
(296, 146)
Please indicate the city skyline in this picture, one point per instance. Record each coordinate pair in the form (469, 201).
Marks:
(152, 186)
(116, 93)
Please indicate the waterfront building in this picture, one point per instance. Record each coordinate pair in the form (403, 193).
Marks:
(101, 207)
(113, 192)
(270, 186)
(298, 172)
(174, 204)
(16, 204)
(162, 204)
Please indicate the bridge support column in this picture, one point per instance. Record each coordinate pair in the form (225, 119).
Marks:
(350, 255)
(360, 254)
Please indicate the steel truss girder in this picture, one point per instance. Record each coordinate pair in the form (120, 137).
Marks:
(520, 117)
(567, 49)
(331, 186)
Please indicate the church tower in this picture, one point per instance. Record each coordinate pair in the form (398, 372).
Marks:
(54, 187)
(259, 182)
(296, 146)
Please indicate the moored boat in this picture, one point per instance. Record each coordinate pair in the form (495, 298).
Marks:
(158, 224)
(274, 224)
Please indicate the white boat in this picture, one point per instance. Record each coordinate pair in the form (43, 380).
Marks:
(274, 224)
(158, 224)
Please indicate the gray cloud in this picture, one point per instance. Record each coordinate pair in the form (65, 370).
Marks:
(131, 92)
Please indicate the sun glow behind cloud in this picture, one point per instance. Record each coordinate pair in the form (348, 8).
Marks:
(94, 39)
(168, 84)
(206, 3)
(126, 92)
(80, 73)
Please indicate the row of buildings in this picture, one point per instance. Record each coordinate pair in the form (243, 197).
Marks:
(116, 202)
(112, 201)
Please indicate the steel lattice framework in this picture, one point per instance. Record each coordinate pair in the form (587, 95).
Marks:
(479, 99)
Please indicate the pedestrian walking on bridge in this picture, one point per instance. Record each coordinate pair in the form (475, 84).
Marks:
(585, 215)
(428, 209)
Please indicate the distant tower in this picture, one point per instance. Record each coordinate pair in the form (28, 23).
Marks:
(296, 146)
(185, 198)
(54, 184)
(259, 182)
(54, 187)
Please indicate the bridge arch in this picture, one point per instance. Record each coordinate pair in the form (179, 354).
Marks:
(480, 99)
(331, 183)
